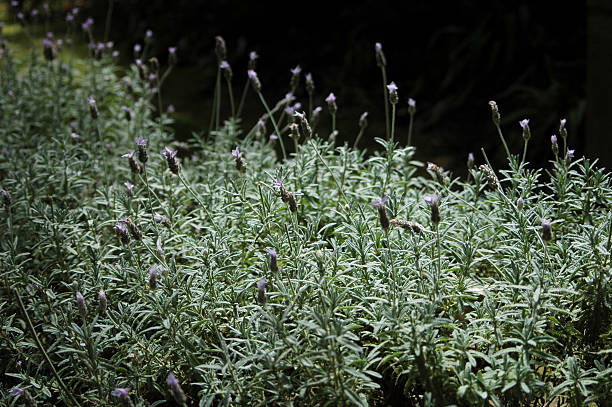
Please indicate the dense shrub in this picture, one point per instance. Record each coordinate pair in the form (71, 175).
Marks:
(246, 272)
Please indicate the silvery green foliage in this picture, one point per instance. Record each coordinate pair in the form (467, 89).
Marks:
(473, 309)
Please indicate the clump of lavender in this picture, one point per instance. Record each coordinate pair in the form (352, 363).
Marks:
(273, 260)
(546, 229)
(433, 201)
(287, 196)
(93, 108)
(124, 396)
(171, 160)
(122, 232)
(239, 160)
(379, 204)
(175, 388)
(261, 290)
(81, 305)
(143, 157)
(134, 166)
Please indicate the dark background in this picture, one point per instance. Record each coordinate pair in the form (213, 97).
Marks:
(452, 57)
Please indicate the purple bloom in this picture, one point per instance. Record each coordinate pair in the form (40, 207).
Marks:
(20, 15)
(261, 290)
(102, 301)
(308, 77)
(526, 132)
(273, 137)
(16, 391)
(15, 3)
(253, 55)
(152, 77)
(278, 184)
(115, 54)
(224, 65)
(331, 98)
(170, 108)
(470, 162)
(570, 153)
(433, 201)
(74, 136)
(562, 123)
(392, 87)
(296, 70)
(129, 155)
(546, 229)
(273, 260)
(121, 392)
(75, 11)
(34, 13)
(81, 305)
(177, 392)
(363, 120)
(393, 97)
(149, 34)
(237, 154)
(553, 139)
(254, 80)
(411, 103)
(153, 273)
(289, 110)
(172, 381)
(137, 48)
(168, 153)
(129, 187)
(524, 123)
(141, 141)
(380, 202)
(172, 50)
(69, 17)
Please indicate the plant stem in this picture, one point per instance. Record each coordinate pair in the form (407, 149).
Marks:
(278, 133)
(503, 140)
(386, 99)
(410, 130)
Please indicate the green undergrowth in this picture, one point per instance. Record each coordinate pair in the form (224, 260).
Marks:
(361, 304)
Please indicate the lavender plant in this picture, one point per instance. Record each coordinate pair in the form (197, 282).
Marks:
(276, 282)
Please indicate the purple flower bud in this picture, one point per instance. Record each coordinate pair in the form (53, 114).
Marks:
(525, 126)
(137, 49)
(6, 197)
(363, 120)
(34, 12)
(69, 17)
(172, 56)
(177, 392)
(381, 61)
(554, 145)
(153, 273)
(227, 70)
(261, 291)
(253, 60)
(236, 153)
(220, 48)
(240, 162)
(379, 204)
(470, 161)
(115, 54)
(495, 116)
(152, 77)
(20, 15)
(171, 160)
(331, 103)
(433, 201)
(295, 77)
(124, 396)
(310, 87)
(121, 230)
(93, 108)
(75, 11)
(130, 188)
(273, 261)
(393, 96)
(171, 108)
(14, 3)
(411, 106)
(519, 203)
(569, 155)
(255, 83)
(102, 301)
(16, 391)
(148, 35)
(81, 304)
(546, 229)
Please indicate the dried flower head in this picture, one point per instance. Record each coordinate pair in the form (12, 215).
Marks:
(143, 156)
(495, 116)
(255, 83)
(433, 201)
(379, 204)
(220, 48)
(490, 176)
(133, 228)
(102, 301)
(304, 125)
(153, 274)
(415, 227)
(93, 108)
(121, 230)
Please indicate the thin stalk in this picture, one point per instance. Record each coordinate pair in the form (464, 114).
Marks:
(390, 145)
(109, 14)
(214, 103)
(524, 152)
(278, 134)
(410, 130)
(503, 140)
(218, 107)
(356, 143)
(386, 99)
(242, 98)
(231, 96)
(67, 394)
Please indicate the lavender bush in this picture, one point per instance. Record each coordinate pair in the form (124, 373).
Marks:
(227, 271)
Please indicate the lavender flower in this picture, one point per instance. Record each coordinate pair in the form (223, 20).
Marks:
(562, 129)
(331, 103)
(143, 156)
(93, 108)
(128, 113)
(102, 301)
(148, 36)
(124, 396)
(137, 49)
(133, 228)
(304, 125)
(158, 218)
(310, 86)
(177, 392)
(295, 77)
(470, 161)
(240, 161)
(546, 229)
(411, 106)
(554, 145)
(273, 261)
(172, 55)
(69, 17)
(526, 132)
(170, 108)
(48, 49)
(171, 160)
(519, 203)
(569, 155)
(261, 291)
(379, 204)
(134, 166)
(495, 116)
(81, 305)
(16, 391)
(393, 96)
(363, 120)
(255, 83)
(433, 201)
(381, 61)
(227, 70)
(253, 60)
(153, 273)
(6, 197)
(122, 231)
(286, 196)
(316, 114)
(130, 188)
(220, 48)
